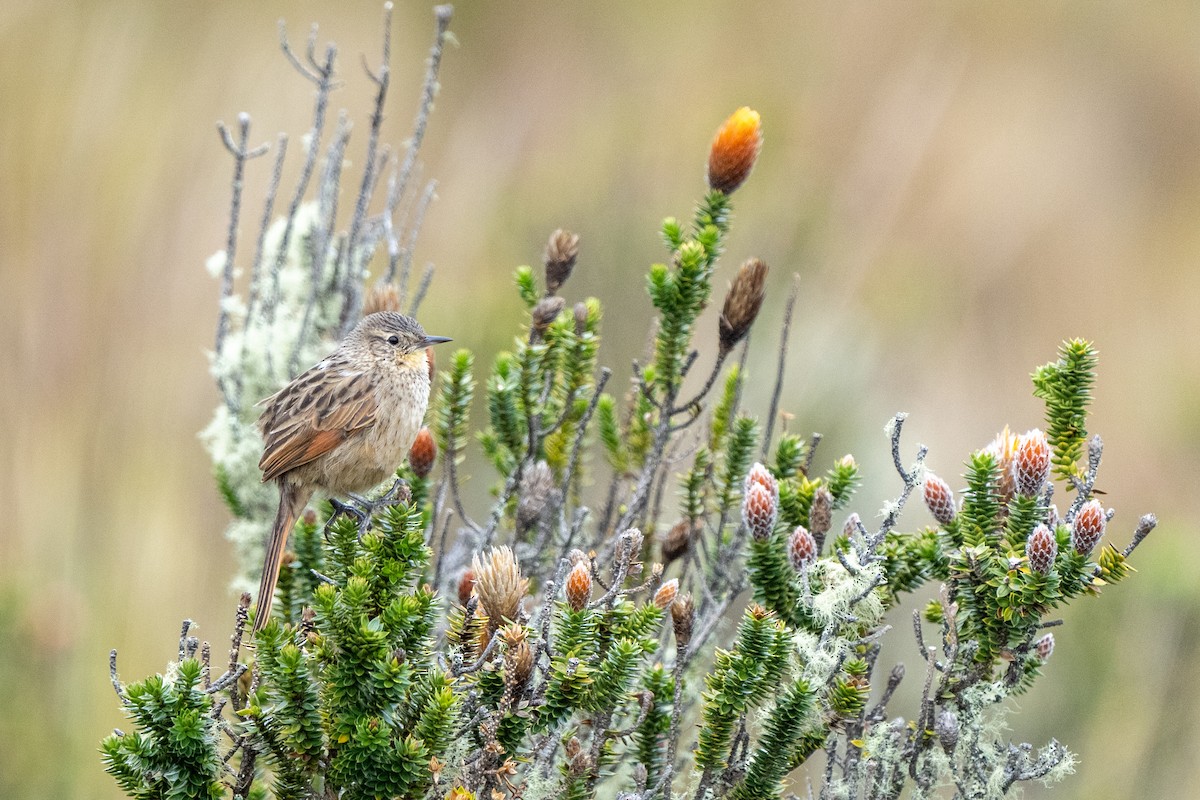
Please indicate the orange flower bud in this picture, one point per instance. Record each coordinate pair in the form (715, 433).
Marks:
(665, 595)
(734, 150)
(466, 585)
(939, 499)
(579, 586)
(422, 454)
(759, 511)
(1031, 463)
(1088, 528)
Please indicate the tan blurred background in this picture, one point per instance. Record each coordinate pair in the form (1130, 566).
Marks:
(960, 188)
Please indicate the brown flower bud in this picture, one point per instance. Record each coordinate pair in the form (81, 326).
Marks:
(537, 487)
(1044, 647)
(581, 318)
(466, 586)
(1041, 548)
(742, 303)
(1088, 528)
(665, 595)
(734, 150)
(579, 586)
(802, 549)
(759, 511)
(544, 313)
(678, 539)
(939, 499)
(309, 517)
(499, 585)
(683, 614)
(422, 454)
(820, 513)
(383, 297)
(561, 251)
(1031, 463)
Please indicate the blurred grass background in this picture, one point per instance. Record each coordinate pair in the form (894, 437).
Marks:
(960, 187)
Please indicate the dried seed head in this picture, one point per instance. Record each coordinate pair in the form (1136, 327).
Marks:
(802, 548)
(1044, 647)
(422, 454)
(581, 318)
(383, 297)
(945, 725)
(734, 150)
(1041, 548)
(579, 586)
(1004, 448)
(544, 313)
(537, 488)
(1088, 528)
(466, 586)
(683, 614)
(499, 585)
(820, 512)
(1031, 463)
(678, 539)
(939, 499)
(518, 658)
(561, 251)
(742, 303)
(665, 595)
(759, 511)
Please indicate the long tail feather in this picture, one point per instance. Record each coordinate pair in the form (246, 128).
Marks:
(291, 500)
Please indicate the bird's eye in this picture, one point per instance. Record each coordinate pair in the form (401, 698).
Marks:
(393, 339)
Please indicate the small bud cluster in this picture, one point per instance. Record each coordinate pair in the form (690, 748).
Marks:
(939, 499)
(760, 502)
(1031, 463)
(742, 303)
(559, 259)
(1041, 548)
(1088, 527)
(802, 548)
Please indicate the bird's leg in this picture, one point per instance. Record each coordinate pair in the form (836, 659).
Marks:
(353, 509)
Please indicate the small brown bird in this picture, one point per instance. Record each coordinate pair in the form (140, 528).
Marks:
(344, 425)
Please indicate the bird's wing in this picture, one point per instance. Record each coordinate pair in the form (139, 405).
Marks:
(313, 414)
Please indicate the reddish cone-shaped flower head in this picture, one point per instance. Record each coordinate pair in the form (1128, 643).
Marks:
(665, 595)
(466, 586)
(1088, 527)
(579, 586)
(734, 150)
(759, 511)
(939, 499)
(1031, 463)
(760, 474)
(1041, 548)
(802, 548)
(422, 454)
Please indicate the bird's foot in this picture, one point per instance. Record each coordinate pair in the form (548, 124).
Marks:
(355, 509)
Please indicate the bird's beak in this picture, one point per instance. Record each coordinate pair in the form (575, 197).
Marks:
(432, 340)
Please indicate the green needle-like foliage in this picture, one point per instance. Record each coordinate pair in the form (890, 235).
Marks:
(173, 753)
(773, 756)
(1066, 387)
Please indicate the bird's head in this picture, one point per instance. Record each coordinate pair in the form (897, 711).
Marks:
(394, 337)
